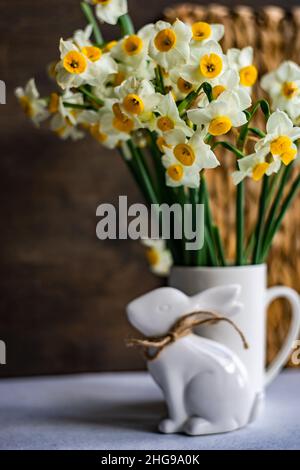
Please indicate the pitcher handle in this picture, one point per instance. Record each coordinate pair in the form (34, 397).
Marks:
(292, 296)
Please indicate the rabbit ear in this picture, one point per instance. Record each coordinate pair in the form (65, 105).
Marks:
(221, 299)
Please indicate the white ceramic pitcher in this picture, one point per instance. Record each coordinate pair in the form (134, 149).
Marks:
(256, 297)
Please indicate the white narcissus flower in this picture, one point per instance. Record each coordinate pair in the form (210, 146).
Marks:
(115, 124)
(279, 141)
(203, 32)
(109, 11)
(228, 81)
(253, 166)
(65, 119)
(143, 71)
(169, 118)
(169, 46)
(83, 66)
(222, 114)
(184, 159)
(132, 50)
(33, 106)
(270, 152)
(91, 121)
(82, 37)
(158, 256)
(179, 86)
(138, 98)
(242, 61)
(206, 63)
(283, 86)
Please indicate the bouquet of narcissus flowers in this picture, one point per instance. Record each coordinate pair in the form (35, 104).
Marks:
(166, 97)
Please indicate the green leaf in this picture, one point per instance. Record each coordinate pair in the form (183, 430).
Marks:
(265, 108)
(207, 88)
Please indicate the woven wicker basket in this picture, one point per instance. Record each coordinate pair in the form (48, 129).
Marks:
(275, 36)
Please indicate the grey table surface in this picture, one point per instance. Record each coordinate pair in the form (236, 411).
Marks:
(120, 411)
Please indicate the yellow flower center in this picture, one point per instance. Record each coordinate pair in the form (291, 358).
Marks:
(97, 134)
(175, 172)
(220, 125)
(184, 154)
(53, 103)
(289, 89)
(74, 62)
(165, 40)
(217, 90)
(133, 104)
(211, 65)
(117, 110)
(119, 78)
(248, 75)
(165, 124)
(260, 170)
(121, 122)
(26, 106)
(288, 156)
(92, 53)
(280, 145)
(201, 30)
(161, 143)
(132, 45)
(101, 2)
(184, 86)
(152, 256)
(108, 47)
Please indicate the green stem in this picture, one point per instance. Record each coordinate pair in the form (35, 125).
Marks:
(240, 223)
(211, 247)
(257, 132)
(126, 25)
(77, 106)
(276, 203)
(229, 147)
(138, 174)
(219, 245)
(188, 100)
(90, 95)
(209, 224)
(134, 172)
(144, 176)
(240, 202)
(88, 12)
(160, 87)
(276, 225)
(193, 196)
(202, 254)
(260, 222)
(272, 188)
(182, 201)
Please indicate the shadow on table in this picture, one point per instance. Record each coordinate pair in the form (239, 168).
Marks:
(141, 416)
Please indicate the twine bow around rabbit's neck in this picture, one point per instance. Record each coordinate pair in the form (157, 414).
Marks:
(182, 327)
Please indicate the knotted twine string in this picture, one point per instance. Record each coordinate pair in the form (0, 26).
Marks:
(182, 327)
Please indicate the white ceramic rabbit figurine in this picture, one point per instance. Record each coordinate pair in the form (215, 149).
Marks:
(205, 384)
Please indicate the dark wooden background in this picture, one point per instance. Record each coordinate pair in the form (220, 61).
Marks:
(62, 292)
